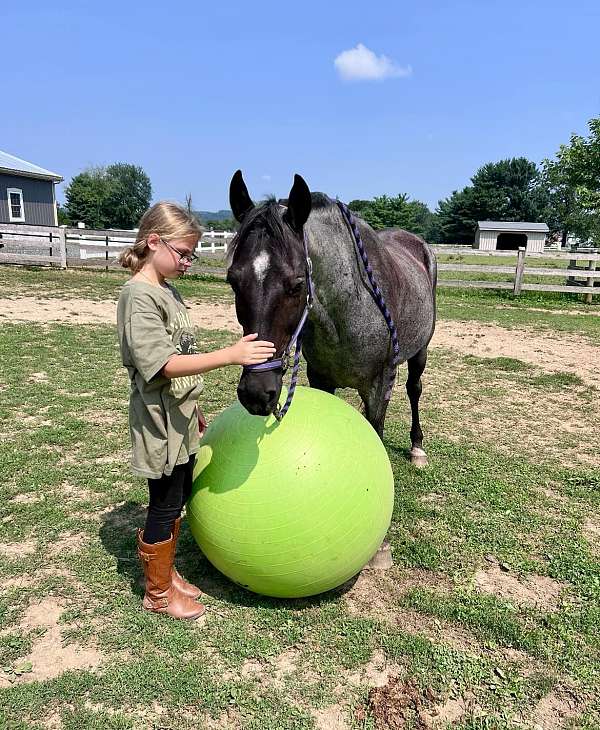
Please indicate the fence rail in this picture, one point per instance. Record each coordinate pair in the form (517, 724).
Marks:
(80, 247)
(90, 248)
(578, 279)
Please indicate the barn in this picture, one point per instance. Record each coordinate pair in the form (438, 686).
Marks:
(27, 192)
(510, 235)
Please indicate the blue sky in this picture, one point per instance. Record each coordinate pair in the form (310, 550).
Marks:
(191, 91)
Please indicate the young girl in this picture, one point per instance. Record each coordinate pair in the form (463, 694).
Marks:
(158, 349)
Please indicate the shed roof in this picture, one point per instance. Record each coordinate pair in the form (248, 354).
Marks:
(515, 226)
(15, 165)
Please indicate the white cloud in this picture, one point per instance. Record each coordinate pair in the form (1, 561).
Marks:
(361, 64)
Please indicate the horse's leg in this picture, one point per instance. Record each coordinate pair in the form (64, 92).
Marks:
(376, 405)
(375, 402)
(416, 365)
(316, 380)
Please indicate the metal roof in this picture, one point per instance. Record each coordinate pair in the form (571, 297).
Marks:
(12, 164)
(516, 226)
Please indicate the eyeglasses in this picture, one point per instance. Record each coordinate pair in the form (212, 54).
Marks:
(183, 257)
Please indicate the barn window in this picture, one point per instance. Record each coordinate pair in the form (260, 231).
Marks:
(16, 211)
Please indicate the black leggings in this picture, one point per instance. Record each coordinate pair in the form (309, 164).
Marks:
(168, 495)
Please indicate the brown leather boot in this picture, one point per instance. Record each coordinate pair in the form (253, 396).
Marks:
(161, 596)
(180, 584)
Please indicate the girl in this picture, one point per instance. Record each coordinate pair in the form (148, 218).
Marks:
(158, 348)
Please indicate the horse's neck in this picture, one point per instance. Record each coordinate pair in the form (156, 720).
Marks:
(333, 254)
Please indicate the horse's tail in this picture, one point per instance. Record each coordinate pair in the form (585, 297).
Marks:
(430, 263)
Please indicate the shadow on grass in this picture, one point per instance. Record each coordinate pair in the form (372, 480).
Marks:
(118, 535)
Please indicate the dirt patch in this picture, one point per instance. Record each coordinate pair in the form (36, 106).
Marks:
(554, 710)
(68, 543)
(27, 498)
(52, 720)
(21, 581)
(48, 657)
(330, 718)
(397, 705)
(274, 672)
(535, 590)
(448, 713)
(72, 491)
(552, 354)
(38, 378)
(87, 311)
(376, 593)
(15, 550)
(377, 672)
(101, 418)
(591, 531)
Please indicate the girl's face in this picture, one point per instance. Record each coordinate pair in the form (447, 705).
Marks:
(173, 258)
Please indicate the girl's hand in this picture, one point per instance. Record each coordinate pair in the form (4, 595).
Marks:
(250, 351)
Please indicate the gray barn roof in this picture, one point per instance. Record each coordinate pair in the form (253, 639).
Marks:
(15, 165)
(515, 226)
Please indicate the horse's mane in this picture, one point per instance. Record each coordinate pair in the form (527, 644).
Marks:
(267, 217)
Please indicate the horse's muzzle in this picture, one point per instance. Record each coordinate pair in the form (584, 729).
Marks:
(259, 392)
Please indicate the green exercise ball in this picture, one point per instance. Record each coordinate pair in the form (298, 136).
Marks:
(296, 507)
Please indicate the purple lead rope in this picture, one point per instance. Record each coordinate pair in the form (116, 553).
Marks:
(377, 293)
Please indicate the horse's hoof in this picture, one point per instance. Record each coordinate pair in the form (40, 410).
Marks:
(382, 560)
(418, 457)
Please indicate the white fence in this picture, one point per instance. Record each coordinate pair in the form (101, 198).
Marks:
(64, 246)
(579, 279)
(84, 247)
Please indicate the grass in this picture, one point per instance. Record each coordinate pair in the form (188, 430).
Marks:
(493, 495)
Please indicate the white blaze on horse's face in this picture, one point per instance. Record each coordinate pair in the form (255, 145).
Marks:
(260, 266)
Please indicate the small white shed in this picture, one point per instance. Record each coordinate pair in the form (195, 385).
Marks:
(510, 235)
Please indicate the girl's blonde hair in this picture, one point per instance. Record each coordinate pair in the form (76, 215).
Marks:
(170, 221)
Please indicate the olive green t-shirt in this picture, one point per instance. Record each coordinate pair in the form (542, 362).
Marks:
(153, 325)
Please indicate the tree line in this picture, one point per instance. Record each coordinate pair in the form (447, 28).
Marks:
(563, 192)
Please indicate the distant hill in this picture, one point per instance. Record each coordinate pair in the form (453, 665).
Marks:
(218, 215)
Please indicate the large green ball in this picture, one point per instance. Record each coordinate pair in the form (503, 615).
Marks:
(296, 507)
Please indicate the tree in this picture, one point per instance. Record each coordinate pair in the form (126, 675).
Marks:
(86, 197)
(61, 214)
(109, 197)
(394, 212)
(573, 181)
(221, 224)
(508, 190)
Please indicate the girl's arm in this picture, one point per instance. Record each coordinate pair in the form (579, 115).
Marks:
(246, 351)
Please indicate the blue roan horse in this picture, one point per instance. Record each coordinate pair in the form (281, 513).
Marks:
(346, 340)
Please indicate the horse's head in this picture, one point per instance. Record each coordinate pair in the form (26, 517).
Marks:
(268, 274)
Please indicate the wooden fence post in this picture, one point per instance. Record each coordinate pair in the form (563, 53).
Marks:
(519, 271)
(588, 298)
(62, 246)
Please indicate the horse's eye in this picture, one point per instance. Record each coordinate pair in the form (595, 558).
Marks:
(295, 287)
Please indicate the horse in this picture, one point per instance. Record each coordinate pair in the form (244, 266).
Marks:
(346, 341)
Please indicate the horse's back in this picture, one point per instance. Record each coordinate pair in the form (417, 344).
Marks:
(409, 251)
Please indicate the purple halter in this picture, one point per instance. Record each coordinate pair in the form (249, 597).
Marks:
(296, 339)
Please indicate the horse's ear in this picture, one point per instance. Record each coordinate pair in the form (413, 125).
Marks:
(299, 204)
(239, 199)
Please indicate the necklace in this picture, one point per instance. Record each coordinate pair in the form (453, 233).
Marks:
(154, 283)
